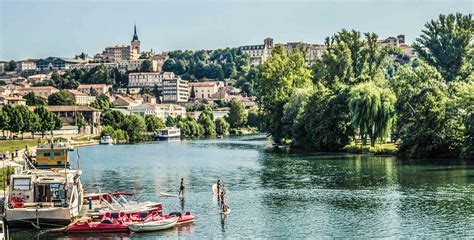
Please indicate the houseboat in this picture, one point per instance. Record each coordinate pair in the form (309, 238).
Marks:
(169, 133)
(44, 198)
(106, 139)
(52, 154)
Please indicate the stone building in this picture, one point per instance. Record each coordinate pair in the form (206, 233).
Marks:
(123, 52)
(259, 53)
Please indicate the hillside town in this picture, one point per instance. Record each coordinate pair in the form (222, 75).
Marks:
(148, 83)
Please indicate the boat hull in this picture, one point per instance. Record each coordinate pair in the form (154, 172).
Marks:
(153, 225)
(97, 227)
(52, 217)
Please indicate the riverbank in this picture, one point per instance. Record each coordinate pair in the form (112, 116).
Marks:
(10, 146)
(386, 149)
(379, 149)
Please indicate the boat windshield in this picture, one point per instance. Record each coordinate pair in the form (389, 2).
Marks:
(50, 193)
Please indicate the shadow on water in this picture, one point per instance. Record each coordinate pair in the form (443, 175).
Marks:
(363, 189)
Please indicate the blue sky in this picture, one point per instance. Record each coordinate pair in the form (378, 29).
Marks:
(40, 28)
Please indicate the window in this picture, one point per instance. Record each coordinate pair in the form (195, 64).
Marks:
(21, 184)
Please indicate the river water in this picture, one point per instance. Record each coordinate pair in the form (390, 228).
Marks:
(282, 195)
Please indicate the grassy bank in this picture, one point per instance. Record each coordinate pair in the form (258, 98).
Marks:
(379, 149)
(243, 131)
(12, 145)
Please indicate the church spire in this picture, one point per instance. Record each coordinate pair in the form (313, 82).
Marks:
(135, 36)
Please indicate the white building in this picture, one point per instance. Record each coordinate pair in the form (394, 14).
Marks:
(175, 90)
(123, 52)
(81, 98)
(160, 110)
(204, 90)
(26, 65)
(99, 88)
(259, 53)
(145, 79)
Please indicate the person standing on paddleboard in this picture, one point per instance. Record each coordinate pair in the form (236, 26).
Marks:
(218, 187)
(181, 188)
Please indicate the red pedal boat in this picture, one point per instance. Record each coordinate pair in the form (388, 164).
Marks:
(185, 218)
(115, 222)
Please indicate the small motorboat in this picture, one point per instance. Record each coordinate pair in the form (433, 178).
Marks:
(112, 222)
(116, 202)
(160, 224)
(185, 218)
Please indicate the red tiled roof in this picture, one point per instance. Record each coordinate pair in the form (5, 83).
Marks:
(94, 86)
(37, 88)
(202, 84)
(75, 92)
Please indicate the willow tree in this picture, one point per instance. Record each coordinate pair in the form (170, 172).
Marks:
(372, 110)
(280, 75)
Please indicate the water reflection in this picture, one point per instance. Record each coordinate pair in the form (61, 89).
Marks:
(285, 195)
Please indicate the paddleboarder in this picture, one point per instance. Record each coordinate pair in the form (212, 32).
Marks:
(181, 188)
(218, 187)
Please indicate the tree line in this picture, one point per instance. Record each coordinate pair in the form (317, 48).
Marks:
(356, 92)
(20, 119)
(133, 128)
(219, 64)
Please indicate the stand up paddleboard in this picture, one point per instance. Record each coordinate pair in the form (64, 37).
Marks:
(226, 213)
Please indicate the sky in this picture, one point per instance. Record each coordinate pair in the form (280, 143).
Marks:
(43, 28)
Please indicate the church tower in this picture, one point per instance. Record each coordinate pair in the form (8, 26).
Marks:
(135, 44)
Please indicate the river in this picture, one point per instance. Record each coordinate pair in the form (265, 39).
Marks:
(282, 195)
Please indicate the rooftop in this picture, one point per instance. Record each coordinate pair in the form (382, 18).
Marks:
(88, 86)
(202, 84)
(71, 108)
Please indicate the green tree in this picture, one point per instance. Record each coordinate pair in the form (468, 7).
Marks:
(101, 102)
(33, 100)
(11, 66)
(48, 120)
(17, 121)
(372, 109)
(170, 122)
(253, 118)
(236, 116)
(222, 127)
(446, 44)
(280, 75)
(207, 122)
(79, 121)
(113, 118)
(2, 83)
(134, 126)
(349, 60)
(153, 123)
(325, 124)
(193, 93)
(4, 121)
(61, 98)
(427, 123)
(293, 112)
(147, 66)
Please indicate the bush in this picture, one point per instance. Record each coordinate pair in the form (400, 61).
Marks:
(382, 149)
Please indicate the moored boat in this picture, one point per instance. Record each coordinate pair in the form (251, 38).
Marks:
(111, 222)
(160, 224)
(169, 133)
(185, 218)
(116, 202)
(43, 198)
(106, 139)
